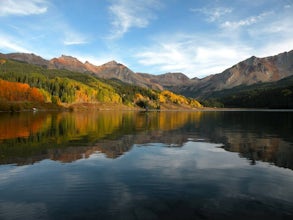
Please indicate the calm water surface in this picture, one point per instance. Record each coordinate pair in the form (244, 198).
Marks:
(167, 165)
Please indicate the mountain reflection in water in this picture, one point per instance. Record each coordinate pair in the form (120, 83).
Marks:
(26, 138)
(146, 165)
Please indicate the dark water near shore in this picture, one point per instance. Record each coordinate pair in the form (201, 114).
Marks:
(154, 165)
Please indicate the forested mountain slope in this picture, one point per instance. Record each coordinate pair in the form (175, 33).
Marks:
(277, 95)
(65, 87)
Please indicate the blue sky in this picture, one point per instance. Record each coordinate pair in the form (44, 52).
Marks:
(196, 37)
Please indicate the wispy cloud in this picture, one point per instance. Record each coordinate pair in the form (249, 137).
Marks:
(23, 7)
(288, 6)
(73, 38)
(278, 35)
(194, 56)
(74, 42)
(245, 22)
(127, 14)
(213, 14)
(166, 56)
(37, 34)
(8, 43)
(200, 54)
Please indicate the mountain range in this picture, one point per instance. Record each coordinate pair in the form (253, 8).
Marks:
(252, 71)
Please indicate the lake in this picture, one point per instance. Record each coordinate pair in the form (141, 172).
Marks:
(147, 165)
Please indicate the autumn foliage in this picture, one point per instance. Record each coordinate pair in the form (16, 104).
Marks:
(167, 96)
(13, 91)
(26, 82)
(2, 61)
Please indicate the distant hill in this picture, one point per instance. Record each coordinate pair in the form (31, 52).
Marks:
(167, 80)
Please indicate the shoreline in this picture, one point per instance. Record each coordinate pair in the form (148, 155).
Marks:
(152, 110)
(15, 107)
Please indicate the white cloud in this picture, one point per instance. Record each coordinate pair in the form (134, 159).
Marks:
(281, 40)
(9, 44)
(213, 14)
(33, 38)
(245, 22)
(23, 7)
(73, 38)
(74, 42)
(127, 14)
(194, 56)
(273, 35)
(283, 26)
(275, 47)
(38, 34)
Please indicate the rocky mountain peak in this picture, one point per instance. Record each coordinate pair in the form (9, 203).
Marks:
(30, 58)
(112, 63)
(67, 62)
(179, 76)
(66, 58)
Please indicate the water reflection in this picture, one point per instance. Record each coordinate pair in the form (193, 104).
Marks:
(21, 125)
(156, 165)
(258, 136)
(264, 136)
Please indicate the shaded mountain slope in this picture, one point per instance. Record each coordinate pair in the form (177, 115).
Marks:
(248, 72)
(277, 95)
(27, 58)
